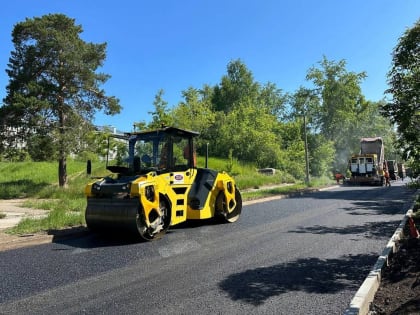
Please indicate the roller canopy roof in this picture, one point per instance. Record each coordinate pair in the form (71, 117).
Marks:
(159, 133)
(166, 130)
(371, 139)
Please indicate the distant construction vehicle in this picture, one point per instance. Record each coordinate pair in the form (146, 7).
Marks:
(369, 165)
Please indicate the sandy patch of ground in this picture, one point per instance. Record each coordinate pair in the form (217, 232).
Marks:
(14, 213)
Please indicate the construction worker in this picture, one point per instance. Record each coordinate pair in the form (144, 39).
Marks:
(338, 176)
(386, 175)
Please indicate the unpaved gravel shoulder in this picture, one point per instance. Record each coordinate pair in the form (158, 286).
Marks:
(15, 212)
(399, 290)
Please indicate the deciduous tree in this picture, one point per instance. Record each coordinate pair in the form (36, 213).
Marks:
(234, 87)
(404, 81)
(195, 113)
(54, 86)
(161, 115)
(341, 102)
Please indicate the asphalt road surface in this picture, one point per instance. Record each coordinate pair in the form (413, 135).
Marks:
(302, 255)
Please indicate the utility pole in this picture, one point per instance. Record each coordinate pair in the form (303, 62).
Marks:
(306, 150)
(207, 155)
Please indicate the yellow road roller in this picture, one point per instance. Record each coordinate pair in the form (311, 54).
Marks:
(155, 183)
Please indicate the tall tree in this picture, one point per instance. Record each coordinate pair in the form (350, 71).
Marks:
(195, 113)
(235, 86)
(404, 82)
(54, 86)
(273, 99)
(292, 155)
(160, 116)
(305, 104)
(340, 93)
(248, 130)
(341, 102)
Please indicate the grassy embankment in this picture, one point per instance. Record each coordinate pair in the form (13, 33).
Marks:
(37, 183)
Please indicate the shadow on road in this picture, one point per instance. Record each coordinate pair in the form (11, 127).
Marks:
(310, 275)
(378, 207)
(369, 200)
(358, 193)
(373, 230)
(81, 237)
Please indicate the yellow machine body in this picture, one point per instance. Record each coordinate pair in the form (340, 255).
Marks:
(165, 191)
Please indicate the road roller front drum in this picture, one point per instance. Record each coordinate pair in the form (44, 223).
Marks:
(158, 224)
(221, 207)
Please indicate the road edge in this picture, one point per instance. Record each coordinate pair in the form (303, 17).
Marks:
(361, 301)
(27, 240)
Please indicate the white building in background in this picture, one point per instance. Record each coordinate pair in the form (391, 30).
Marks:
(16, 142)
(109, 128)
(12, 140)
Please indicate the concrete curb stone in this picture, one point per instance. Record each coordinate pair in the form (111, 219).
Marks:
(361, 301)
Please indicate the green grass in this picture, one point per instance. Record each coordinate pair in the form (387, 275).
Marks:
(28, 179)
(37, 181)
(57, 219)
(246, 175)
(282, 190)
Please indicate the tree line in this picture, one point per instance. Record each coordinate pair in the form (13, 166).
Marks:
(55, 90)
(260, 123)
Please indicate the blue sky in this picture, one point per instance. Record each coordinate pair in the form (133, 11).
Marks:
(173, 45)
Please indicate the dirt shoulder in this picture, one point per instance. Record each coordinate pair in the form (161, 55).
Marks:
(399, 291)
(14, 212)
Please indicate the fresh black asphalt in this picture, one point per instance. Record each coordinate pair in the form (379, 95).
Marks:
(301, 255)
